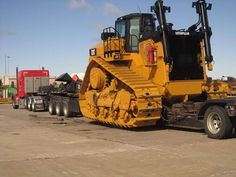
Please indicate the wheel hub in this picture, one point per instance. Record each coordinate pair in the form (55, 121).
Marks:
(214, 123)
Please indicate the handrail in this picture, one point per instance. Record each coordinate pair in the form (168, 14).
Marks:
(107, 43)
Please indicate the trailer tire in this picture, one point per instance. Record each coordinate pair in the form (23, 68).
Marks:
(66, 110)
(58, 109)
(51, 109)
(234, 133)
(217, 124)
(233, 120)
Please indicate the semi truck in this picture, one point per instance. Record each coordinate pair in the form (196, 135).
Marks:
(35, 94)
(28, 83)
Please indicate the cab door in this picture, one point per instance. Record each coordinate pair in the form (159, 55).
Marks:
(133, 34)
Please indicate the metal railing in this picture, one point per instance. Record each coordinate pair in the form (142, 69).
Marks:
(109, 43)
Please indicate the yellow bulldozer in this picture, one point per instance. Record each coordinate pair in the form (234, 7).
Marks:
(141, 74)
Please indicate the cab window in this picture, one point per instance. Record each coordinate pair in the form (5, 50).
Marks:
(134, 32)
(120, 27)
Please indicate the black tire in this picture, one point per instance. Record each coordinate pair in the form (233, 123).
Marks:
(66, 110)
(29, 106)
(234, 132)
(59, 109)
(217, 124)
(51, 109)
(33, 107)
(234, 127)
(14, 105)
(25, 103)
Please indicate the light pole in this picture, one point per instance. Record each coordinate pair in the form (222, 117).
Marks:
(8, 66)
(6, 57)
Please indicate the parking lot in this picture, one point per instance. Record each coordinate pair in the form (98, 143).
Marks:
(39, 145)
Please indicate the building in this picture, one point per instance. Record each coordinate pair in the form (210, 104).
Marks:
(9, 81)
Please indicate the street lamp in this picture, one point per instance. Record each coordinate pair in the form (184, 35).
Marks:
(5, 90)
(8, 66)
(6, 58)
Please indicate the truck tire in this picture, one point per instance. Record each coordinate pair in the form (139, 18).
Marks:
(51, 109)
(234, 133)
(66, 110)
(217, 124)
(33, 107)
(58, 109)
(14, 105)
(25, 103)
(29, 106)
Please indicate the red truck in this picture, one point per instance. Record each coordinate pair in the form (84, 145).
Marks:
(28, 83)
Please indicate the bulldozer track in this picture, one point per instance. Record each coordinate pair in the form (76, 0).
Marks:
(136, 82)
(143, 89)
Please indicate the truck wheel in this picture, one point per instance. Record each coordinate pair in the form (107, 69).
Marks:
(33, 107)
(25, 103)
(58, 109)
(14, 105)
(29, 106)
(51, 109)
(234, 133)
(66, 110)
(217, 124)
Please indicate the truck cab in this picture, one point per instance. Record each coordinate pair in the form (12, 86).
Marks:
(28, 83)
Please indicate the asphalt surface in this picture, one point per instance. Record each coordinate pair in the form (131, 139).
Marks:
(39, 145)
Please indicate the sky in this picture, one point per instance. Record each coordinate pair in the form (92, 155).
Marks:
(57, 34)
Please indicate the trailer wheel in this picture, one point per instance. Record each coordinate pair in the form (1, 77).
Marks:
(217, 124)
(51, 109)
(66, 110)
(234, 127)
(58, 109)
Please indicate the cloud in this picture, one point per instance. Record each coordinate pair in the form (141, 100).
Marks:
(4, 33)
(111, 10)
(77, 4)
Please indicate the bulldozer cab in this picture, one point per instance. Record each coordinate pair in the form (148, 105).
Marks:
(134, 27)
